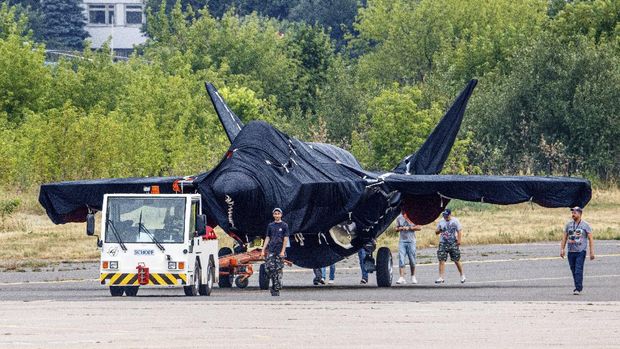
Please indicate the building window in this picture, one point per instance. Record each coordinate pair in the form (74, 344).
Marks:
(101, 14)
(133, 14)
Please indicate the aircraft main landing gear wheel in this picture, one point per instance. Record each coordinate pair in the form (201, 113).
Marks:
(205, 289)
(117, 291)
(131, 291)
(263, 278)
(241, 282)
(384, 267)
(192, 290)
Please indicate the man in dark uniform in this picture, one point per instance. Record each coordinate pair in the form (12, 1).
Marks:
(274, 248)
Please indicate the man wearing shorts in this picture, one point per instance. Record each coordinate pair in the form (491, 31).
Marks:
(450, 232)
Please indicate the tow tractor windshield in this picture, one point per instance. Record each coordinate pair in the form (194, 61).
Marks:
(129, 216)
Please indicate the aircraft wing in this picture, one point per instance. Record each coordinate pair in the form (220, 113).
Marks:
(70, 201)
(502, 190)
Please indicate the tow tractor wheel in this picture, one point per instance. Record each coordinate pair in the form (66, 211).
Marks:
(384, 267)
(117, 291)
(192, 290)
(131, 291)
(263, 278)
(205, 289)
(241, 282)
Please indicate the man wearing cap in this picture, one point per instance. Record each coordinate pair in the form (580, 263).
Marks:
(578, 235)
(274, 247)
(450, 232)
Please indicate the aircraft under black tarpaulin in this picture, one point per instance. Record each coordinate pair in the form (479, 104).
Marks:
(332, 205)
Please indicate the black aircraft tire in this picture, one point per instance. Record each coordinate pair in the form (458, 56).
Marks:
(131, 291)
(241, 282)
(192, 290)
(117, 291)
(206, 288)
(224, 251)
(263, 278)
(384, 267)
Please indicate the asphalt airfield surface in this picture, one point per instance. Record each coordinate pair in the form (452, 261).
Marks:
(515, 296)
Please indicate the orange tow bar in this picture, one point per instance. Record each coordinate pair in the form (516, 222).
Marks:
(240, 265)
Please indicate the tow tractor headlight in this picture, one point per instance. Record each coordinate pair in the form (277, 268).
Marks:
(172, 265)
(114, 265)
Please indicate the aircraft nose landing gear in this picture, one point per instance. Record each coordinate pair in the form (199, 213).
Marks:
(383, 266)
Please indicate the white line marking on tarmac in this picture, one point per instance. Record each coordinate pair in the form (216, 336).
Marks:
(349, 268)
(46, 282)
(538, 279)
(468, 262)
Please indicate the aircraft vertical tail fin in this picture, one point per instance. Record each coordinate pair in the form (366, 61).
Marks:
(432, 155)
(231, 123)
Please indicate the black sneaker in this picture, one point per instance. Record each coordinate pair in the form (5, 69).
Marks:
(363, 281)
(322, 281)
(315, 282)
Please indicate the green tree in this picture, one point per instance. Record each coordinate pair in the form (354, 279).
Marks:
(12, 22)
(405, 41)
(64, 24)
(394, 126)
(559, 100)
(24, 79)
(341, 101)
(335, 16)
(597, 19)
(313, 52)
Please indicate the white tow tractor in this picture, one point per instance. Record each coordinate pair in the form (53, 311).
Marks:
(155, 240)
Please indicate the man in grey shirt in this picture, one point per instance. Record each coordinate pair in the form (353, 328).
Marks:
(578, 235)
(406, 246)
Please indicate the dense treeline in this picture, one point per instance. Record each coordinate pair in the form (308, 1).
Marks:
(547, 101)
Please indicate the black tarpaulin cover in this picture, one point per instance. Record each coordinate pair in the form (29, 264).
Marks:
(264, 169)
(503, 190)
(431, 156)
(230, 121)
(67, 202)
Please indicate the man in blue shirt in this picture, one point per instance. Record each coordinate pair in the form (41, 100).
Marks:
(450, 233)
(577, 233)
(274, 247)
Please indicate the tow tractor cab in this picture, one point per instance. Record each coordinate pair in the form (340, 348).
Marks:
(156, 240)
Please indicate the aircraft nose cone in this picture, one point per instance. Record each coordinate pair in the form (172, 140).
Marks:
(236, 184)
(243, 198)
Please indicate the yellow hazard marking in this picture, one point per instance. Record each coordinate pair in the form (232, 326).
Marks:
(114, 278)
(172, 279)
(159, 280)
(125, 281)
(102, 277)
(183, 277)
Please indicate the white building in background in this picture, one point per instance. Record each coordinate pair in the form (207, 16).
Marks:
(120, 20)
